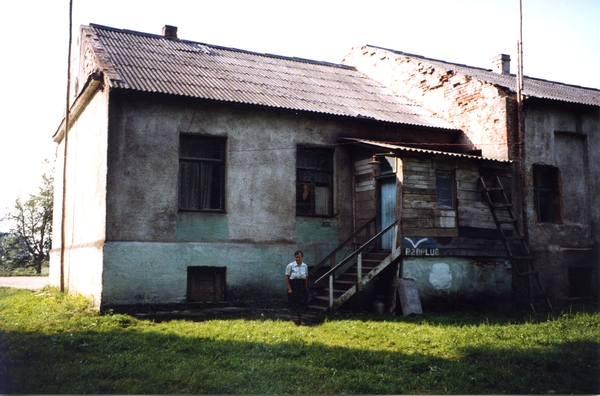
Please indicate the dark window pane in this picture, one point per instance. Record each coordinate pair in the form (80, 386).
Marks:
(201, 173)
(445, 189)
(314, 159)
(201, 148)
(189, 188)
(546, 195)
(314, 182)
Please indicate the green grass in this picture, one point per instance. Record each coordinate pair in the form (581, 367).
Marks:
(53, 343)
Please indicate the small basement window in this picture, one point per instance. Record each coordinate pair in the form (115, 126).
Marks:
(206, 284)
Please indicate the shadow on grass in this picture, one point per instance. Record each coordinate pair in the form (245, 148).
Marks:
(135, 361)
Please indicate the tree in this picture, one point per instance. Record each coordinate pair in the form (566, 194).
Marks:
(32, 220)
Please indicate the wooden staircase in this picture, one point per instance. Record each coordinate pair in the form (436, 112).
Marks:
(523, 267)
(334, 285)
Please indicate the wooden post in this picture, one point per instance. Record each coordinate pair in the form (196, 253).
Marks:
(359, 271)
(330, 290)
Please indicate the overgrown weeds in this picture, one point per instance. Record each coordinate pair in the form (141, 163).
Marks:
(54, 343)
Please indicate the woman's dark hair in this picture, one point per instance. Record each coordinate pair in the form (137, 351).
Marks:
(298, 253)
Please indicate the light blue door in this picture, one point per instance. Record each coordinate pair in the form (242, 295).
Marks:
(387, 210)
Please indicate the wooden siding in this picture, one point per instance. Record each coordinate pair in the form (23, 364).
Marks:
(466, 230)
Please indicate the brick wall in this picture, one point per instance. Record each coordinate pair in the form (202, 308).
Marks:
(484, 112)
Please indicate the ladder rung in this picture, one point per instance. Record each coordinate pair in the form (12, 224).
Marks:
(507, 221)
(494, 189)
(501, 205)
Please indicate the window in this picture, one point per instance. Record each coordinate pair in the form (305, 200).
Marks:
(444, 182)
(546, 196)
(201, 173)
(314, 182)
(206, 283)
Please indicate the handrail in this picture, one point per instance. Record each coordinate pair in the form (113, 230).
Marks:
(341, 246)
(357, 251)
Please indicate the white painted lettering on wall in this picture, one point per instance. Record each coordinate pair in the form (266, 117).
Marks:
(421, 252)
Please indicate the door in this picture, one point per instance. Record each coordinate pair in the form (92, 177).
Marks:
(387, 211)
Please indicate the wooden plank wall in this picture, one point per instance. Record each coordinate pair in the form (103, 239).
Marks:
(469, 228)
(365, 193)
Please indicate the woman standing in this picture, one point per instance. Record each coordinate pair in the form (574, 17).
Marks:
(296, 279)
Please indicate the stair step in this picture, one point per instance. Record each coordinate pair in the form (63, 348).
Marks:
(344, 282)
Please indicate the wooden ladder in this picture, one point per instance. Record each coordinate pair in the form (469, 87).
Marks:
(514, 242)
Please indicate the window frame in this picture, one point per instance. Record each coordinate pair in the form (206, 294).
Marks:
(201, 162)
(313, 182)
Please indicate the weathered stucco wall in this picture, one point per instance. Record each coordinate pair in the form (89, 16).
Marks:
(85, 204)
(568, 138)
(455, 279)
(151, 244)
(482, 111)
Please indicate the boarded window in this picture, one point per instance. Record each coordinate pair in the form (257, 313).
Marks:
(314, 182)
(201, 173)
(444, 182)
(206, 284)
(546, 194)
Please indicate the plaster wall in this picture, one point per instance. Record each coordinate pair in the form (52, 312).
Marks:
(155, 272)
(458, 279)
(566, 137)
(86, 202)
(150, 244)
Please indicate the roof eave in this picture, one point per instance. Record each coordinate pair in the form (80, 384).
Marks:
(94, 82)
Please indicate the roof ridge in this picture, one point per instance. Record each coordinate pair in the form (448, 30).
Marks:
(481, 68)
(225, 48)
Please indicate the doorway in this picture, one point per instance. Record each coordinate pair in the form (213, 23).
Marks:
(386, 210)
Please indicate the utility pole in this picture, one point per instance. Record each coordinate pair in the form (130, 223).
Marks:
(521, 123)
(63, 233)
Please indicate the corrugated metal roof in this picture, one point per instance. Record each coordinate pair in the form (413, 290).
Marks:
(396, 148)
(532, 87)
(152, 63)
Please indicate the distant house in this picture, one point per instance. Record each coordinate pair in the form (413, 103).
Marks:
(195, 171)
(560, 150)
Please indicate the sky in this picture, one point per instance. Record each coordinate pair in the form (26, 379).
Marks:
(561, 42)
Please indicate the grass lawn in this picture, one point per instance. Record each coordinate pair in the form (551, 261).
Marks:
(52, 343)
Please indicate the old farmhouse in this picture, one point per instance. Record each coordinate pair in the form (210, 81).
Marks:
(557, 151)
(193, 172)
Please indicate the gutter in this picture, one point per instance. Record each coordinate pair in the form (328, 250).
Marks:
(92, 85)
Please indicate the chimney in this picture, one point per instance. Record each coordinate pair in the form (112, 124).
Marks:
(501, 64)
(170, 32)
